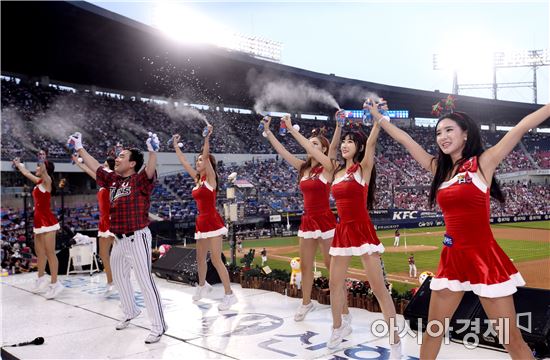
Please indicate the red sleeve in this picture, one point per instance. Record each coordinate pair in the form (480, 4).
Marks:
(145, 184)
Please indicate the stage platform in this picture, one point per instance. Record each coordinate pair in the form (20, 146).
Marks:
(80, 324)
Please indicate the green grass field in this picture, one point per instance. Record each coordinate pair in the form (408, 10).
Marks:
(396, 262)
(544, 225)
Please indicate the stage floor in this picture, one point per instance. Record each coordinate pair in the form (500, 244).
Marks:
(80, 323)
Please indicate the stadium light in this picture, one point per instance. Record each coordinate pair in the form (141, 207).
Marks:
(498, 60)
(522, 58)
(184, 25)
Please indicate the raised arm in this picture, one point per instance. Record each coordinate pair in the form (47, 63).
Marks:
(153, 146)
(151, 166)
(75, 141)
(417, 152)
(181, 157)
(308, 146)
(492, 157)
(333, 149)
(210, 173)
(281, 150)
(83, 166)
(370, 149)
(24, 171)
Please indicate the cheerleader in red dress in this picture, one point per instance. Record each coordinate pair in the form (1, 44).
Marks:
(353, 189)
(318, 222)
(471, 260)
(45, 225)
(209, 225)
(106, 237)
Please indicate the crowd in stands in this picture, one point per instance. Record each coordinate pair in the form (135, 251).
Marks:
(45, 116)
(27, 110)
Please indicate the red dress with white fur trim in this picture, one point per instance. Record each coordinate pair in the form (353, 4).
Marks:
(472, 259)
(355, 234)
(44, 220)
(318, 221)
(208, 223)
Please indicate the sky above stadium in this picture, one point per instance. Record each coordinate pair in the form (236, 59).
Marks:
(387, 42)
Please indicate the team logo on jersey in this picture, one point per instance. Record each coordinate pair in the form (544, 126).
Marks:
(464, 178)
(447, 240)
(123, 190)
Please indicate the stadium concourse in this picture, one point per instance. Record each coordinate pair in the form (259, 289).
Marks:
(81, 324)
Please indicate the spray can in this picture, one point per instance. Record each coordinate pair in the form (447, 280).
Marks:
(341, 117)
(282, 128)
(155, 143)
(170, 141)
(367, 117)
(205, 131)
(71, 144)
(118, 149)
(261, 126)
(383, 107)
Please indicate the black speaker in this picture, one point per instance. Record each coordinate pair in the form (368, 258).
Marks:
(533, 316)
(416, 311)
(180, 264)
(532, 307)
(62, 260)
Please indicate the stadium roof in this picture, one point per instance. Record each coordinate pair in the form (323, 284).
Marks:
(80, 43)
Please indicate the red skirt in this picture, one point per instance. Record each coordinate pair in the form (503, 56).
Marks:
(44, 223)
(484, 269)
(355, 238)
(209, 225)
(317, 226)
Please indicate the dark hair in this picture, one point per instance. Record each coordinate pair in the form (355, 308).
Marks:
(473, 147)
(319, 134)
(137, 156)
(214, 166)
(110, 162)
(360, 140)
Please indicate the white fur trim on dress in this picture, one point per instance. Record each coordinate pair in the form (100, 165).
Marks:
(505, 288)
(45, 229)
(105, 234)
(209, 234)
(316, 234)
(357, 251)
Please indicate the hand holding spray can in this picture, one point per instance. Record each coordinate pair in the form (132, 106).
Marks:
(282, 128)
(367, 116)
(341, 117)
(206, 130)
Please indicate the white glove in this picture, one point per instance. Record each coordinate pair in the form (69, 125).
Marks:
(153, 143)
(75, 141)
